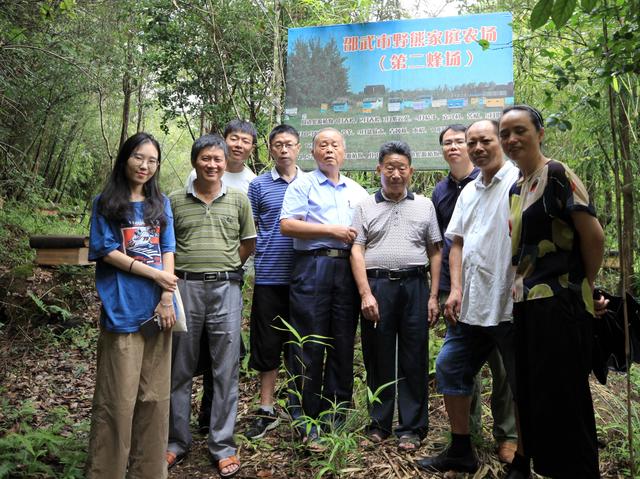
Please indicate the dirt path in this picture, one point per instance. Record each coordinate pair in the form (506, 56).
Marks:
(57, 371)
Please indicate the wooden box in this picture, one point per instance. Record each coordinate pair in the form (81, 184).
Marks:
(56, 250)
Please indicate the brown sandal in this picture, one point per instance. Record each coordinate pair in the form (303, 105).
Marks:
(227, 462)
(409, 442)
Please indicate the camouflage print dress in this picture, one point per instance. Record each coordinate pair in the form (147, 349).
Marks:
(553, 317)
(545, 247)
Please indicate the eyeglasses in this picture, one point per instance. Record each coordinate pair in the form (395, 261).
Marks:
(280, 146)
(138, 160)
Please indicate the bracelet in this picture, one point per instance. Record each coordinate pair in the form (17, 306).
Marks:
(166, 305)
(131, 265)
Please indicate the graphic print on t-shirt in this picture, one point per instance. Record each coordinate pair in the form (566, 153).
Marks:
(142, 243)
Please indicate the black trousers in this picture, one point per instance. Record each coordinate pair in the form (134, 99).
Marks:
(403, 327)
(553, 342)
(324, 302)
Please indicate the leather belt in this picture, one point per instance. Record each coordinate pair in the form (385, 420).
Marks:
(213, 276)
(396, 274)
(330, 252)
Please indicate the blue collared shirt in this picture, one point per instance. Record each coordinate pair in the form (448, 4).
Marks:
(315, 199)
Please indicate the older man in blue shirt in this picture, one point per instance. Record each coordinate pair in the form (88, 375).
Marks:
(317, 212)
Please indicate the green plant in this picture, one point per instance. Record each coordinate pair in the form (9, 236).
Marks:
(49, 452)
(612, 420)
(436, 340)
(83, 337)
(339, 425)
(50, 310)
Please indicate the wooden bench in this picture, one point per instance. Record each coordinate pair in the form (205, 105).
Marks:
(55, 250)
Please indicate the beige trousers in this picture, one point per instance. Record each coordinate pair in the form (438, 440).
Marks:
(130, 416)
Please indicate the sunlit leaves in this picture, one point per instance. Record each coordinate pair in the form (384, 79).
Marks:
(555, 120)
(562, 11)
(615, 85)
(541, 13)
(484, 44)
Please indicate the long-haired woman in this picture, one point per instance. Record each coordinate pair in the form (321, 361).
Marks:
(557, 246)
(132, 242)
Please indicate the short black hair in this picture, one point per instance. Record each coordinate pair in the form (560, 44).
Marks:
(496, 127)
(455, 127)
(534, 115)
(398, 147)
(241, 126)
(210, 140)
(283, 129)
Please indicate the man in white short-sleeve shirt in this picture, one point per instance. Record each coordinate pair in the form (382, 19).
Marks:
(479, 306)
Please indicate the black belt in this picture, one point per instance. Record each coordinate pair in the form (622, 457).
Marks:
(330, 252)
(395, 274)
(214, 276)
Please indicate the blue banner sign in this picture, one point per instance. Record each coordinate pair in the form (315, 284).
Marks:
(404, 79)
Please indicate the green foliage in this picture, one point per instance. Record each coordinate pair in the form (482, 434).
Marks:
(339, 439)
(613, 426)
(83, 337)
(51, 452)
(19, 220)
(50, 310)
(541, 13)
(562, 11)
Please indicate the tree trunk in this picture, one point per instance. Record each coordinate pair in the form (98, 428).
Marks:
(277, 77)
(62, 155)
(140, 122)
(628, 210)
(49, 161)
(126, 106)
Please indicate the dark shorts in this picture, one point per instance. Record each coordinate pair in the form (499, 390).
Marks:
(267, 338)
(465, 350)
(553, 340)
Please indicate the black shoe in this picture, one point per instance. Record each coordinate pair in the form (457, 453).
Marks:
(263, 422)
(443, 462)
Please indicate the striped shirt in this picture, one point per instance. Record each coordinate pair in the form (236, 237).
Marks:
(208, 236)
(395, 234)
(274, 252)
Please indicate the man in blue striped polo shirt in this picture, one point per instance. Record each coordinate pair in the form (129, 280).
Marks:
(273, 259)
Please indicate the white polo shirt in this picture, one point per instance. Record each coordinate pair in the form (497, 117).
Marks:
(481, 219)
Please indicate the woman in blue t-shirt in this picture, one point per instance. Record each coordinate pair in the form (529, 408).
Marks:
(132, 243)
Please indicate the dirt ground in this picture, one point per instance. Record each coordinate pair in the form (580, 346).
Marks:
(51, 372)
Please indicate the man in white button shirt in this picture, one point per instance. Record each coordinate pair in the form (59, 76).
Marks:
(479, 306)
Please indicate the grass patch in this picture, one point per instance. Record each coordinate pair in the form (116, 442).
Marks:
(18, 221)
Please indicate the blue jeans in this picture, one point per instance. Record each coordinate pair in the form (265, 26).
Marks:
(466, 348)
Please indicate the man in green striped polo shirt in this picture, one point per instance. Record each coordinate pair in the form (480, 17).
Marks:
(215, 234)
